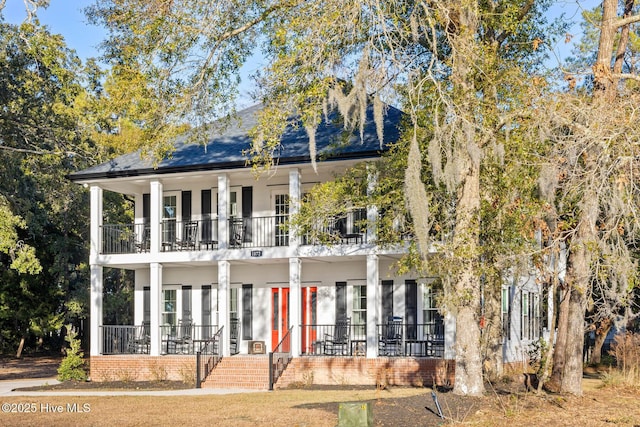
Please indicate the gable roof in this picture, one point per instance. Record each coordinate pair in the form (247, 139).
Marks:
(224, 149)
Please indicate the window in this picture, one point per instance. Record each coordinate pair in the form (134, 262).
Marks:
(247, 312)
(432, 319)
(169, 207)
(429, 311)
(341, 300)
(187, 315)
(359, 311)
(146, 304)
(506, 308)
(411, 308)
(535, 316)
(206, 311)
(282, 216)
(169, 215)
(387, 300)
(525, 330)
(233, 303)
(530, 304)
(359, 217)
(233, 203)
(169, 307)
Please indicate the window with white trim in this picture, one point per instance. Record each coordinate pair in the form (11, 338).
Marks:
(359, 310)
(169, 306)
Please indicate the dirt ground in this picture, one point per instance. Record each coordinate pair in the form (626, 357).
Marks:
(505, 404)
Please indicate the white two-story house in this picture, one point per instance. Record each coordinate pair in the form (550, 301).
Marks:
(217, 270)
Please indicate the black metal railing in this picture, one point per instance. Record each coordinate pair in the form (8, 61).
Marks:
(279, 358)
(189, 235)
(256, 232)
(207, 357)
(418, 340)
(125, 238)
(347, 229)
(176, 339)
(323, 340)
(251, 232)
(402, 339)
(119, 339)
(185, 338)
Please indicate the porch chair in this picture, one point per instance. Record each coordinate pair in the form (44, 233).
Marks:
(345, 237)
(339, 342)
(390, 341)
(234, 326)
(184, 340)
(237, 232)
(189, 236)
(144, 244)
(141, 341)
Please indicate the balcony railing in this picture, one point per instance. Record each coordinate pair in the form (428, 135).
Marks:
(418, 340)
(422, 340)
(324, 340)
(197, 235)
(130, 339)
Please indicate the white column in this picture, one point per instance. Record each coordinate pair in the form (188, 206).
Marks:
(96, 223)
(95, 309)
(141, 279)
(295, 196)
(155, 282)
(372, 210)
(156, 216)
(224, 273)
(373, 305)
(223, 214)
(295, 306)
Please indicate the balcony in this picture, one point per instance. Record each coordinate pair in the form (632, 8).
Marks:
(202, 235)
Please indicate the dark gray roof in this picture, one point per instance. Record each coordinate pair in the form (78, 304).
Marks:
(225, 148)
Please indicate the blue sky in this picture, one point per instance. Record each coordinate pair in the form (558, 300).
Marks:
(66, 18)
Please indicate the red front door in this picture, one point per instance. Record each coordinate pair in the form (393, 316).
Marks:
(309, 319)
(279, 315)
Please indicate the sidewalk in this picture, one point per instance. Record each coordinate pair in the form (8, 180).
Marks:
(7, 388)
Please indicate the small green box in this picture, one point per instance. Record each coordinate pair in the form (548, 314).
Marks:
(355, 414)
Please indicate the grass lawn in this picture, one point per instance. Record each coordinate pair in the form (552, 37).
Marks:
(281, 408)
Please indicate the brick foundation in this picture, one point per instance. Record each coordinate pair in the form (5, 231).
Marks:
(382, 371)
(143, 368)
(360, 371)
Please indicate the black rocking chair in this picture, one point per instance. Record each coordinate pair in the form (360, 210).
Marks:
(339, 342)
(390, 342)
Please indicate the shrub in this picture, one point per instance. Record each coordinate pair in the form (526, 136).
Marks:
(626, 350)
(72, 366)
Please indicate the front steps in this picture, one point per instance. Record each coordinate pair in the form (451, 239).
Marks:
(240, 371)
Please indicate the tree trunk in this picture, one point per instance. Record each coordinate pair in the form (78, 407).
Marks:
(20, 347)
(578, 279)
(572, 373)
(492, 337)
(603, 80)
(468, 373)
(555, 380)
(466, 289)
(602, 330)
